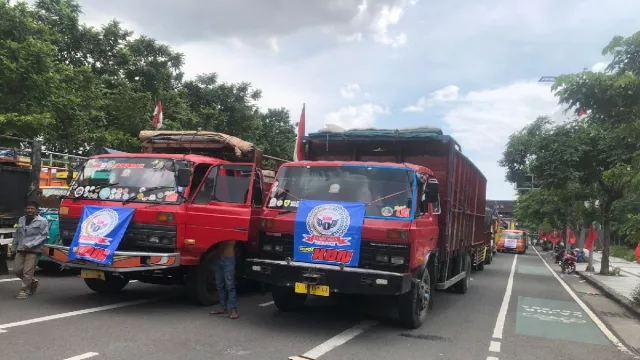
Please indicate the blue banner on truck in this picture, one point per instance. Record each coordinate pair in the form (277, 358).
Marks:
(99, 233)
(328, 232)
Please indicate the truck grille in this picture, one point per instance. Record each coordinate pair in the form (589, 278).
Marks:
(136, 238)
(280, 247)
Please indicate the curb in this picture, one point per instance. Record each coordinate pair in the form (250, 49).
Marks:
(611, 294)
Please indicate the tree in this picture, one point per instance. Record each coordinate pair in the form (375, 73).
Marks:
(78, 88)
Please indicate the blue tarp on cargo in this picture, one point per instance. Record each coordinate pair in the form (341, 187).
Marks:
(382, 134)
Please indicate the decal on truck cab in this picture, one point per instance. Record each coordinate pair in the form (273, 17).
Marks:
(328, 232)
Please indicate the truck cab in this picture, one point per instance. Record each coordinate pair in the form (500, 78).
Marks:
(183, 206)
(422, 227)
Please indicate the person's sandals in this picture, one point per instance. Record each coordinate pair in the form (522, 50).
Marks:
(22, 295)
(33, 287)
(234, 314)
(218, 312)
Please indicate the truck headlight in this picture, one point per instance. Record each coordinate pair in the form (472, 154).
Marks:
(398, 260)
(382, 258)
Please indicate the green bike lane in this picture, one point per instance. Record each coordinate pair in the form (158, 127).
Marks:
(544, 320)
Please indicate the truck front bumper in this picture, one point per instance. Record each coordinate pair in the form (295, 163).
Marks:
(344, 281)
(123, 261)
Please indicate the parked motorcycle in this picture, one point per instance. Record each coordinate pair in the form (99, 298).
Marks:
(568, 264)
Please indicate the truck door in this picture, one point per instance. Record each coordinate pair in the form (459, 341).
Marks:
(221, 208)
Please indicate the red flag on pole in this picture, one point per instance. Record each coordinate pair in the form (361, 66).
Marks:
(571, 236)
(592, 236)
(298, 152)
(157, 115)
(582, 113)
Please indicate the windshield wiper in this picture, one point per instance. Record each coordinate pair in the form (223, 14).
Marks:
(145, 190)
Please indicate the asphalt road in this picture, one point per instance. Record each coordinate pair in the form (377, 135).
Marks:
(541, 320)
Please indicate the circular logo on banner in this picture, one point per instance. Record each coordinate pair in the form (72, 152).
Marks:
(328, 220)
(100, 223)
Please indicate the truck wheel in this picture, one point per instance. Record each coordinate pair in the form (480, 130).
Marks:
(480, 266)
(112, 284)
(489, 257)
(462, 286)
(414, 305)
(201, 282)
(286, 300)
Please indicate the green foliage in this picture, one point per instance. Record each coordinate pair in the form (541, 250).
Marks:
(596, 157)
(79, 88)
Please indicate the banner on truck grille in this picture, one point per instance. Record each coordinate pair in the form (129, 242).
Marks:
(99, 233)
(328, 232)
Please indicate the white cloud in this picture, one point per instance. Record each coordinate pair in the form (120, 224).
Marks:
(361, 116)
(257, 22)
(350, 91)
(600, 67)
(446, 94)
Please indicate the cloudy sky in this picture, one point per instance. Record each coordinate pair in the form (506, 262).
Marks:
(470, 67)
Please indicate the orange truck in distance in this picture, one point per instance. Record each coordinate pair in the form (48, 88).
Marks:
(373, 212)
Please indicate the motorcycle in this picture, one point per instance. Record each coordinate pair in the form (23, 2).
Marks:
(568, 264)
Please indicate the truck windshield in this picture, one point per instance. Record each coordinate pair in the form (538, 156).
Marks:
(386, 191)
(119, 178)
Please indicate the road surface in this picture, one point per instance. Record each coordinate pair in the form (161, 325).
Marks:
(515, 309)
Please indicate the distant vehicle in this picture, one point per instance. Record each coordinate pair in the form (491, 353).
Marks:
(513, 241)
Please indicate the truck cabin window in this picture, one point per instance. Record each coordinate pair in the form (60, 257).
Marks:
(226, 183)
(387, 191)
(512, 235)
(120, 178)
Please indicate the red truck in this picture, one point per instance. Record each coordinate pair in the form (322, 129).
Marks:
(189, 191)
(423, 229)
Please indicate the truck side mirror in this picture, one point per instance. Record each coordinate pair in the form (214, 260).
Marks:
(431, 192)
(183, 177)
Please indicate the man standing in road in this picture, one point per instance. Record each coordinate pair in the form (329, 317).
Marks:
(224, 265)
(28, 243)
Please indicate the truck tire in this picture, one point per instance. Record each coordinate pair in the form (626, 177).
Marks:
(414, 305)
(111, 285)
(462, 286)
(489, 257)
(286, 300)
(201, 282)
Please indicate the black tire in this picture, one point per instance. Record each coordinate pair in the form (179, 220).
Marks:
(49, 267)
(414, 305)
(462, 286)
(489, 257)
(571, 269)
(286, 300)
(480, 266)
(111, 285)
(201, 282)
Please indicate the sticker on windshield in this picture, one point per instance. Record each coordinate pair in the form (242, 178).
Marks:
(160, 195)
(152, 197)
(127, 166)
(125, 172)
(279, 203)
(334, 188)
(402, 211)
(79, 191)
(274, 188)
(171, 196)
(111, 164)
(295, 203)
(157, 164)
(104, 193)
(125, 196)
(386, 211)
(287, 203)
(272, 202)
(140, 196)
(112, 196)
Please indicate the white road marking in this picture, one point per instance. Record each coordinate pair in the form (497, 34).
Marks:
(586, 309)
(75, 313)
(266, 304)
(495, 346)
(83, 356)
(7, 280)
(492, 358)
(337, 340)
(502, 315)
